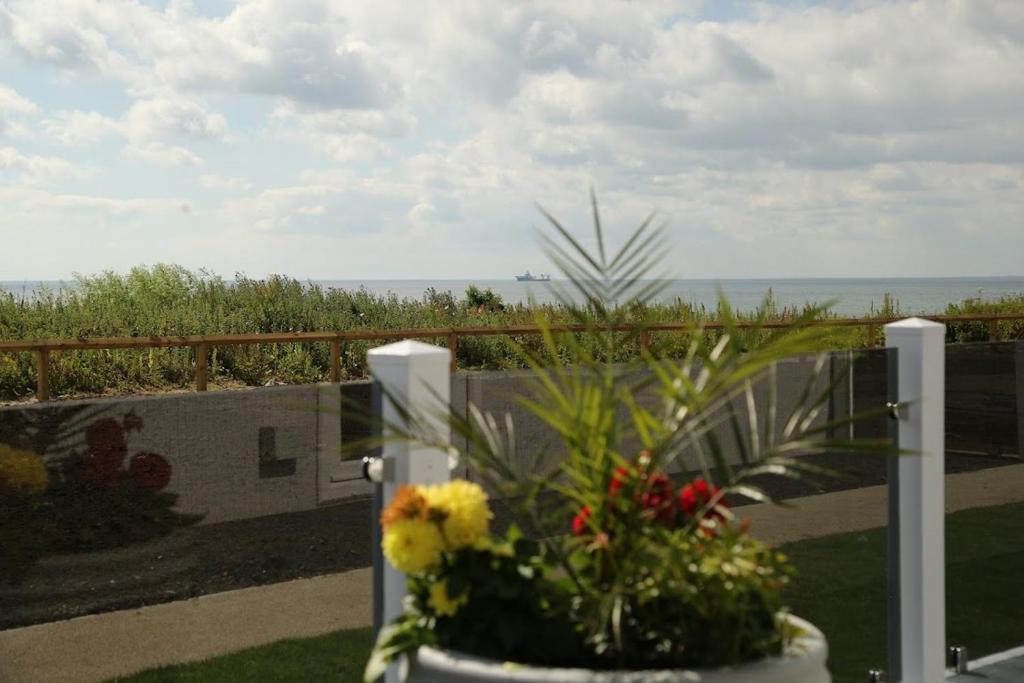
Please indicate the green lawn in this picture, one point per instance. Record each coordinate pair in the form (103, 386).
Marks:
(841, 588)
(338, 657)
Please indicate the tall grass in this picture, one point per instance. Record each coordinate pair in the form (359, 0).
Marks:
(170, 300)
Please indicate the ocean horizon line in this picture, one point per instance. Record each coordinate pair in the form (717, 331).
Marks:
(22, 281)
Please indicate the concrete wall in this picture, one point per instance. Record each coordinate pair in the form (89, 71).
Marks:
(234, 454)
(242, 454)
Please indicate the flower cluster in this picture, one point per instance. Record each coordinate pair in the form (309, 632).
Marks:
(104, 459)
(422, 522)
(22, 470)
(652, 493)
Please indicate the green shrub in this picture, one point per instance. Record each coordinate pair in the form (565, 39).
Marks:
(170, 300)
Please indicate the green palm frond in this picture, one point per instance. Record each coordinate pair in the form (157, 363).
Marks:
(601, 283)
(714, 409)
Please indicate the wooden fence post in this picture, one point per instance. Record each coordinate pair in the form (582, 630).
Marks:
(993, 330)
(453, 340)
(336, 360)
(872, 330)
(43, 375)
(202, 371)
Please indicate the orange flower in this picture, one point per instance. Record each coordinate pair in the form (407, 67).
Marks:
(407, 503)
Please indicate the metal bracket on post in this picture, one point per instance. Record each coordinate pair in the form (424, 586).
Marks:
(958, 659)
(897, 410)
(377, 470)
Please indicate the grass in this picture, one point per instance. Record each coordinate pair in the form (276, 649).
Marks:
(337, 657)
(841, 588)
(169, 300)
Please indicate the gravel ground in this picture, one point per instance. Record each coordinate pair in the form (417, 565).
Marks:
(211, 558)
(335, 538)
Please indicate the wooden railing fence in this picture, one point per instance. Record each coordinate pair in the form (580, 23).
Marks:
(202, 343)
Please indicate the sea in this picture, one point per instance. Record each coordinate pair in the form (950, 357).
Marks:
(849, 296)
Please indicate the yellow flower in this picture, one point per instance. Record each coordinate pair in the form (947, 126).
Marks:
(443, 603)
(22, 469)
(463, 505)
(412, 545)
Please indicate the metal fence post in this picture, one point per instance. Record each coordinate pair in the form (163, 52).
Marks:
(922, 591)
(377, 557)
(892, 531)
(417, 376)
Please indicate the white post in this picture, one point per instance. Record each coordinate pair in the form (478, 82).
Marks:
(417, 376)
(922, 383)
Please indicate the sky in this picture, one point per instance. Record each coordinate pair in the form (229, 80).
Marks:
(330, 139)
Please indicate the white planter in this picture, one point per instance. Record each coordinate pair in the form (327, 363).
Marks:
(803, 662)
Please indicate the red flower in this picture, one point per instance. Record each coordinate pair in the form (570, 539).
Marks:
(100, 469)
(579, 522)
(105, 436)
(696, 495)
(657, 499)
(660, 483)
(150, 471)
(619, 480)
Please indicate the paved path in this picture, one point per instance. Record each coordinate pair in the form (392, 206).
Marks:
(867, 508)
(99, 647)
(102, 646)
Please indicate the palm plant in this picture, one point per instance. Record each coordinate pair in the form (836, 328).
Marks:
(650, 581)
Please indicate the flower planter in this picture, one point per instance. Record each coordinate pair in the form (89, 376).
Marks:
(803, 662)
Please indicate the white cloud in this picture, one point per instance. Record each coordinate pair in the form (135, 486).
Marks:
(159, 154)
(155, 118)
(791, 139)
(344, 135)
(150, 119)
(12, 108)
(299, 49)
(320, 206)
(80, 128)
(118, 206)
(30, 169)
(11, 101)
(212, 181)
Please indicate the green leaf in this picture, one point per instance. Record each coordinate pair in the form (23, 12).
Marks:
(394, 640)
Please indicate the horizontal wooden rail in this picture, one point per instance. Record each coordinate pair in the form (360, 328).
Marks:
(203, 343)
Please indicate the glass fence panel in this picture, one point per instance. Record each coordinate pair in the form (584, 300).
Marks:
(836, 531)
(984, 498)
(131, 503)
(110, 505)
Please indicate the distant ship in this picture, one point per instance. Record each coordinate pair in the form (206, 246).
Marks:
(528, 277)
